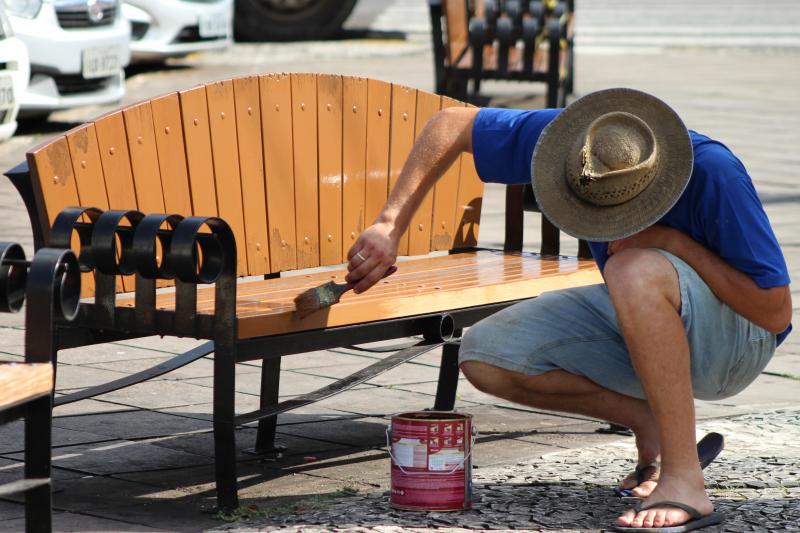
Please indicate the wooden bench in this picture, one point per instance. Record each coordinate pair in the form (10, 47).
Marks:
(516, 40)
(26, 389)
(297, 165)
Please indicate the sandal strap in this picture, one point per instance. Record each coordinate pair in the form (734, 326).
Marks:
(641, 469)
(691, 511)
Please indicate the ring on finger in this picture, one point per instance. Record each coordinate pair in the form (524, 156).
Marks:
(358, 254)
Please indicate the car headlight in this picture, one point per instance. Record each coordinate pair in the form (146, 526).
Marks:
(23, 8)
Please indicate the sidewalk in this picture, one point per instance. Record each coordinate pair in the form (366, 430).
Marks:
(141, 459)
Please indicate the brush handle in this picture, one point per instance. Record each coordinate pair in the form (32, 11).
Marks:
(342, 288)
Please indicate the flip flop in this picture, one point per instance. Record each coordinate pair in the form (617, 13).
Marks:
(696, 520)
(708, 449)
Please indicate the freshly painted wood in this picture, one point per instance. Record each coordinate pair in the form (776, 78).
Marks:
(420, 286)
(354, 116)
(329, 110)
(404, 106)
(379, 103)
(306, 177)
(171, 151)
(251, 167)
(53, 180)
(457, 36)
(199, 159)
(445, 198)
(116, 161)
(20, 383)
(276, 116)
(225, 152)
(419, 233)
(144, 157)
(468, 206)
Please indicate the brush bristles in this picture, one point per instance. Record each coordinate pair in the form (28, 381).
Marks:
(317, 298)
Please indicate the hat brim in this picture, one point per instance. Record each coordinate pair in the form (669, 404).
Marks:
(583, 220)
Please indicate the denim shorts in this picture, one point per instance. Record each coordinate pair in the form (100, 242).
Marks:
(576, 330)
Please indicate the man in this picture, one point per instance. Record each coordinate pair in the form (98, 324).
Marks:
(695, 297)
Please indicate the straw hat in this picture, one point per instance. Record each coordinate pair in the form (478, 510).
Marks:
(611, 164)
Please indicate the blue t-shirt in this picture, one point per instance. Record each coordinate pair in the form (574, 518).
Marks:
(719, 208)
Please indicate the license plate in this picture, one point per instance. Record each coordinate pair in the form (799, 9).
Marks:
(101, 61)
(214, 25)
(6, 93)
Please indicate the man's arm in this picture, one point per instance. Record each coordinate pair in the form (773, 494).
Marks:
(769, 308)
(444, 138)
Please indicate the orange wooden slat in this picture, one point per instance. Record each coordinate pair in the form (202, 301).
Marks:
(354, 158)
(306, 178)
(53, 181)
(404, 106)
(468, 207)
(144, 157)
(113, 143)
(276, 117)
(171, 154)
(199, 159)
(21, 383)
(455, 12)
(329, 111)
(225, 150)
(251, 162)
(379, 101)
(445, 198)
(87, 167)
(419, 233)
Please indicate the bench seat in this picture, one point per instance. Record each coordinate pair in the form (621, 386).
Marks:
(420, 286)
(21, 383)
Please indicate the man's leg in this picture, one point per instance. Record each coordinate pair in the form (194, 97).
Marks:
(645, 290)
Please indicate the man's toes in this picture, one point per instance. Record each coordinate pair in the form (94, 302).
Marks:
(644, 489)
(626, 518)
(649, 518)
(659, 519)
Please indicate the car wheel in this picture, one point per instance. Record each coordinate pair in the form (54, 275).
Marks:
(286, 20)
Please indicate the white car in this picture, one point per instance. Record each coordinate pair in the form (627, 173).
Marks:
(14, 73)
(172, 28)
(77, 48)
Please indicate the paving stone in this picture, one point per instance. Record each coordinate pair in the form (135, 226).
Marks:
(68, 522)
(362, 432)
(12, 437)
(131, 424)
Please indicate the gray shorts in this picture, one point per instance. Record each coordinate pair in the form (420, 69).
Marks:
(576, 330)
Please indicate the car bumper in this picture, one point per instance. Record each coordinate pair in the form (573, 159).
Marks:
(15, 56)
(57, 55)
(166, 28)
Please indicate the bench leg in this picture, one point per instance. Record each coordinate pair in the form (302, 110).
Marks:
(448, 377)
(224, 427)
(270, 384)
(38, 501)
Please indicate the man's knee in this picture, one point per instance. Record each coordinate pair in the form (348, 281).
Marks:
(637, 273)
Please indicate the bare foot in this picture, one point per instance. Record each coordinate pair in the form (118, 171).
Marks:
(689, 492)
(644, 479)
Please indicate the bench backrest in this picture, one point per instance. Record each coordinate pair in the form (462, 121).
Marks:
(297, 164)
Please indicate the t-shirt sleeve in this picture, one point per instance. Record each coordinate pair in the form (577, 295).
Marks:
(736, 225)
(503, 141)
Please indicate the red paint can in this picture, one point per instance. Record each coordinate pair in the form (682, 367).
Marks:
(431, 461)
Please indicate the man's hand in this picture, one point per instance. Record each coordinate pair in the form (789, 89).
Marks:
(656, 236)
(372, 254)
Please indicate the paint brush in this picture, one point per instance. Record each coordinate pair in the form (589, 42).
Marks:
(325, 295)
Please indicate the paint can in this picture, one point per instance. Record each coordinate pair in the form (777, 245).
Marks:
(431, 460)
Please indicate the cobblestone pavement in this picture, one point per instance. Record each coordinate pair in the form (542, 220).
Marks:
(755, 482)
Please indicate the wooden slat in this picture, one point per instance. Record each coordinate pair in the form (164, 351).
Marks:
(53, 181)
(404, 106)
(276, 116)
(306, 178)
(468, 207)
(455, 12)
(420, 286)
(225, 150)
(251, 162)
(23, 382)
(144, 157)
(445, 199)
(329, 110)
(197, 137)
(113, 143)
(171, 154)
(379, 101)
(354, 160)
(419, 234)
(84, 152)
